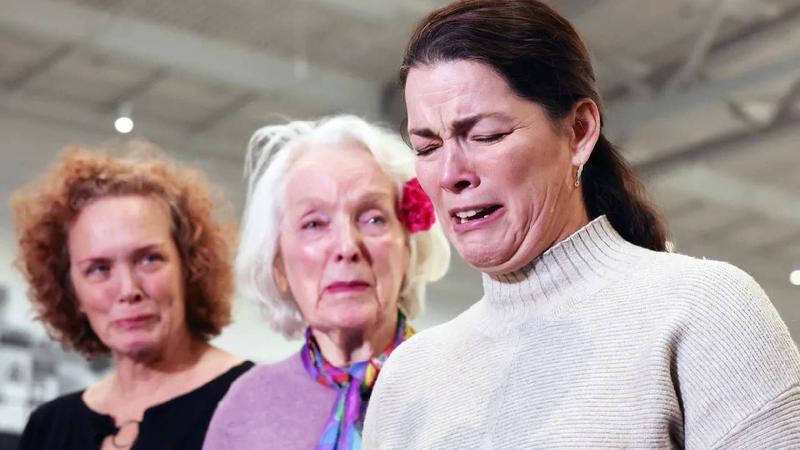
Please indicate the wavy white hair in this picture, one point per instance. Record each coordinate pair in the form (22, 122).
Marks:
(271, 153)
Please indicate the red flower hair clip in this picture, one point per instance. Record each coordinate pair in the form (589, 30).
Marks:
(416, 209)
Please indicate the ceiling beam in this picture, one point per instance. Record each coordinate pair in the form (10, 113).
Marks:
(715, 16)
(626, 112)
(39, 67)
(701, 182)
(784, 109)
(47, 110)
(207, 123)
(727, 145)
(624, 117)
(140, 87)
(183, 51)
(388, 11)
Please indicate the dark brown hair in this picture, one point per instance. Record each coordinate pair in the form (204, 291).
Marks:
(542, 58)
(44, 211)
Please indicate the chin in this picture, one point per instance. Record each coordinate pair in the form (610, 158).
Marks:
(137, 345)
(483, 257)
(351, 318)
(498, 252)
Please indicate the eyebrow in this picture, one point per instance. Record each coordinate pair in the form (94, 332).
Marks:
(136, 252)
(376, 195)
(459, 126)
(310, 204)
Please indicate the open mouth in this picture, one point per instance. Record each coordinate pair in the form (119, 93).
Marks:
(470, 215)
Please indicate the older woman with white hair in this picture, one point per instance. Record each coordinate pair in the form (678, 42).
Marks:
(338, 243)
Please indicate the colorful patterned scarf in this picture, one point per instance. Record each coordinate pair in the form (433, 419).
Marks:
(354, 385)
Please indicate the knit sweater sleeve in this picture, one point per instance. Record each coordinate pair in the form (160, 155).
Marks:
(775, 425)
(737, 369)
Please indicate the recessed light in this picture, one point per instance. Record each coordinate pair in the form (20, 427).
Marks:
(794, 277)
(124, 124)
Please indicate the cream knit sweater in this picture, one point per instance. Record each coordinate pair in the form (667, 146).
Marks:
(598, 344)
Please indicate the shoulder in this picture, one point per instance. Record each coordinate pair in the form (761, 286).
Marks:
(728, 325)
(264, 376)
(257, 387)
(427, 350)
(59, 407)
(52, 417)
(407, 369)
(429, 342)
(695, 280)
(269, 400)
(705, 294)
(235, 372)
(733, 353)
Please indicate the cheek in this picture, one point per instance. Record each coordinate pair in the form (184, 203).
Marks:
(94, 300)
(532, 170)
(165, 285)
(301, 256)
(427, 174)
(95, 303)
(304, 264)
(390, 259)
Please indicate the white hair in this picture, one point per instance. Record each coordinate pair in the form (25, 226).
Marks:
(271, 153)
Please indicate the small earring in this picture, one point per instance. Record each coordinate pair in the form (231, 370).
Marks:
(578, 176)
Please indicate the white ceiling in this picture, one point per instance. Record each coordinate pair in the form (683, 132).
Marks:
(702, 95)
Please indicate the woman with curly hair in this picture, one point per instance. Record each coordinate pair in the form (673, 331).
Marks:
(123, 258)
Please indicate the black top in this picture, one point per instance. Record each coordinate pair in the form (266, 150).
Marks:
(181, 423)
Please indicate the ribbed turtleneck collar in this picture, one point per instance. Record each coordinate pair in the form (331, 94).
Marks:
(568, 272)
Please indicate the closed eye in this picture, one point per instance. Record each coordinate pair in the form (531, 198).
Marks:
(424, 151)
(490, 137)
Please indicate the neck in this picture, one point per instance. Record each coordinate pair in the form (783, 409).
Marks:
(573, 269)
(578, 218)
(142, 374)
(342, 348)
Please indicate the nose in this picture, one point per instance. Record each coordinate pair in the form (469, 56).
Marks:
(457, 174)
(130, 290)
(348, 244)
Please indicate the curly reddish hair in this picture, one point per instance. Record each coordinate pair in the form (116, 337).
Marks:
(44, 211)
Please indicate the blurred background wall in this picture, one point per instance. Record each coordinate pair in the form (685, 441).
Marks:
(702, 95)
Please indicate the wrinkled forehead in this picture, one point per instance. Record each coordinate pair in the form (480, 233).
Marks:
(337, 170)
(113, 223)
(448, 91)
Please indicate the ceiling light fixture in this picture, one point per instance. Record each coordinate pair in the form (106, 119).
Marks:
(124, 122)
(794, 277)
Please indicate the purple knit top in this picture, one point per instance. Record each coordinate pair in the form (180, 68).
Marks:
(271, 406)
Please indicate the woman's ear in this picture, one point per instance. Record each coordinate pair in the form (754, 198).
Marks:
(279, 274)
(584, 121)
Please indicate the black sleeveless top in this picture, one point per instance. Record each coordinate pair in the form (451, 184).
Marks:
(180, 423)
